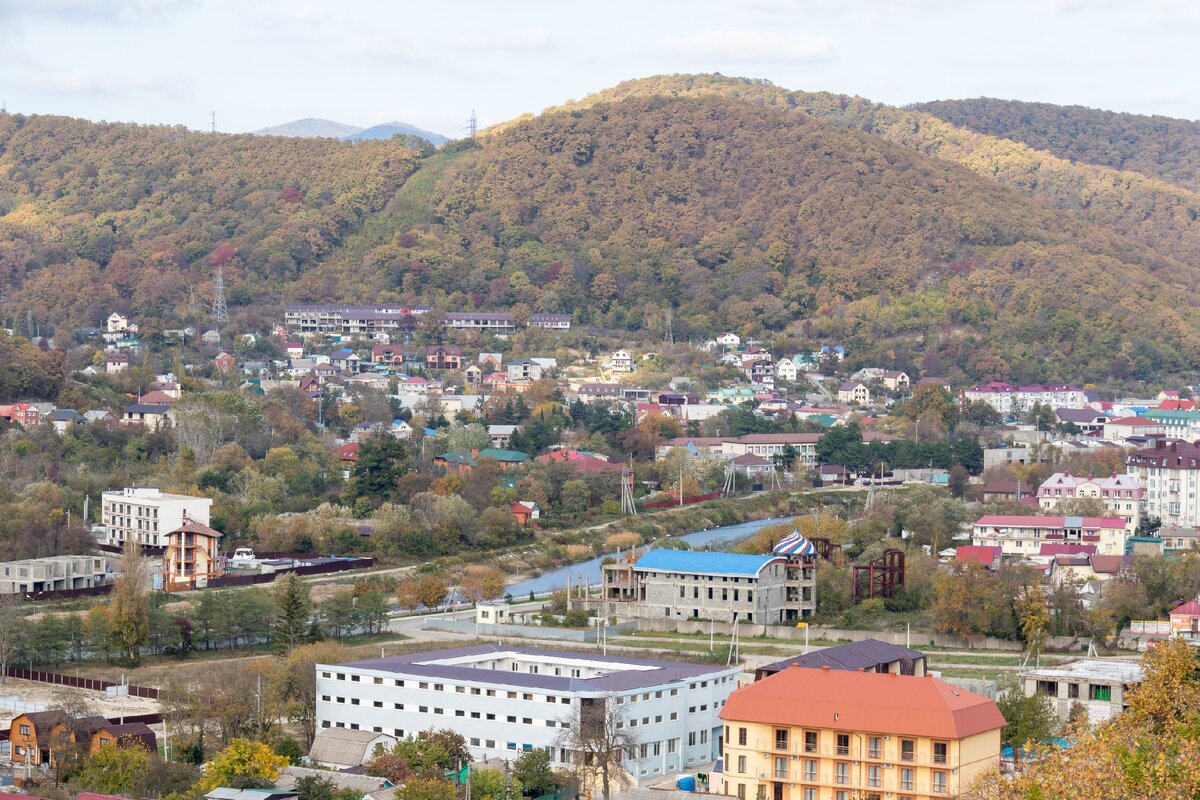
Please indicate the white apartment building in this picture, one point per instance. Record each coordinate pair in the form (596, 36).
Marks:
(1099, 685)
(1012, 400)
(308, 320)
(1170, 473)
(505, 700)
(485, 321)
(1122, 494)
(147, 515)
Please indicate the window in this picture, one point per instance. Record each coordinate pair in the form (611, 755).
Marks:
(939, 752)
(741, 792)
(907, 748)
(810, 770)
(1100, 693)
(843, 772)
(873, 775)
(742, 736)
(810, 741)
(781, 770)
(874, 747)
(810, 794)
(906, 779)
(939, 781)
(378, 704)
(25, 728)
(781, 739)
(843, 744)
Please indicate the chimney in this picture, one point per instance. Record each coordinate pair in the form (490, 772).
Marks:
(825, 668)
(474, 452)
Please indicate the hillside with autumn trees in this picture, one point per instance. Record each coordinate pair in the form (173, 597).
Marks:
(717, 203)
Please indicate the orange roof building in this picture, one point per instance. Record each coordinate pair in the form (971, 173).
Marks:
(833, 734)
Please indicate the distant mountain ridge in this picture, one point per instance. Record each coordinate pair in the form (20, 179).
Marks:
(312, 127)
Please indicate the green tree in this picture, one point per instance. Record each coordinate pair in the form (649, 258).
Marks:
(242, 761)
(129, 604)
(1027, 718)
(533, 771)
(575, 495)
(294, 605)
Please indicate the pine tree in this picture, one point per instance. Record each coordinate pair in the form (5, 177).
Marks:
(295, 608)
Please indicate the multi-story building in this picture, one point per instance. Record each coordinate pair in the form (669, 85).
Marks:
(804, 445)
(192, 557)
(1098, 685)
(146, 515)
(1180, 424)
(443, 357)
(1012, 400)
(828, 734)
(1170, 473)
(621, 361)
(507, 700)
(1122, 495)
(1024, 536)
(866, 655)
(554, 322)
(484, 321)
(312, 320)
(686, 584)
(54, 574)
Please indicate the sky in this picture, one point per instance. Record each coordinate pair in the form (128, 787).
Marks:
(257, 63)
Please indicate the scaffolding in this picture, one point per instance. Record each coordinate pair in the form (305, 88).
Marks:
(880, 577)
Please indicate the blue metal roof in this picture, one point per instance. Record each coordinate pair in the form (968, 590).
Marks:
(695, 561)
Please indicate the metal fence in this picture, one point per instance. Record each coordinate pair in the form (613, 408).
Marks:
(93, 684)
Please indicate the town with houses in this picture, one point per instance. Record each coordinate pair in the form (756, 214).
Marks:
(868, 718)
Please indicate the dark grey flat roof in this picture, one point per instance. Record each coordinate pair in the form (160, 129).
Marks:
(850, 657)
(661, 672)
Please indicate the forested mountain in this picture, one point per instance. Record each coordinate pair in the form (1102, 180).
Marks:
(386, 130)
(311, 126)
(732, 203)
(1159, 147)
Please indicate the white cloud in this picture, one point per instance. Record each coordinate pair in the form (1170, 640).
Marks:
(750, 46)
(388, 50)
(78, 81)
(108, 11)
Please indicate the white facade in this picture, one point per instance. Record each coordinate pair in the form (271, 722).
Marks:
(147, 515)
(1170, 472)
(116, 323)
(621, 361)
(1008, 399)
(1121, 494)
(786, 369)
(504, 700)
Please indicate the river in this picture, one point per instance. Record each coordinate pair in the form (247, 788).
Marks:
(590, 570)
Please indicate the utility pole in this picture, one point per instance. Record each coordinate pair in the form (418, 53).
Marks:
(212, 121)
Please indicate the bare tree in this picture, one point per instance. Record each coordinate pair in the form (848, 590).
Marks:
(597, 738)
(129, 603)
(11, 622)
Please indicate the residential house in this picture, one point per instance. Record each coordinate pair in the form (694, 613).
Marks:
(345, 360)
(621, 361)
(1185, 620)
(854, 392)
(115, 362)
(473, 375)
(391, 355)
(983, 556)
(896, 380)
(461, 463)
(443, 357)
(211, 338)
(580, 462)
(501, 435)
(116, 323)
(151, 416)
(729, 341)
(761, 372)
(996, 491)
(805, 733)
(525, 512)
(27, 415)
(524, 370)
(192, 556)
(1088, 420)
(593, 392)
(786, 370)
(293, 349)
(866, 655)
(1121, 494)
(63, 418)
(341, 748)
(491, 362)
(224, 362)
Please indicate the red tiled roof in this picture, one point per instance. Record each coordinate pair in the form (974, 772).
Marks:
(347, 452)
(977, 554)
(1190, 609)
(1066, 549)
(863, 701)
(1136, 422)
(582, 462)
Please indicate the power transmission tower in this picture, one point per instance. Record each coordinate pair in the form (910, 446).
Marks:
(220, 311)
(669, 329)
(472, 125)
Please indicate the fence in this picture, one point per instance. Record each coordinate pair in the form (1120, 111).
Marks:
(699, 498)
(306, 569)
(92, 684)
(66, 594)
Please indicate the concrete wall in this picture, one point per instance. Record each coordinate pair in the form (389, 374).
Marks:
(526, 631)
(918, 639)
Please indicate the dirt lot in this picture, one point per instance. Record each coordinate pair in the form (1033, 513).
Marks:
(50, 696)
